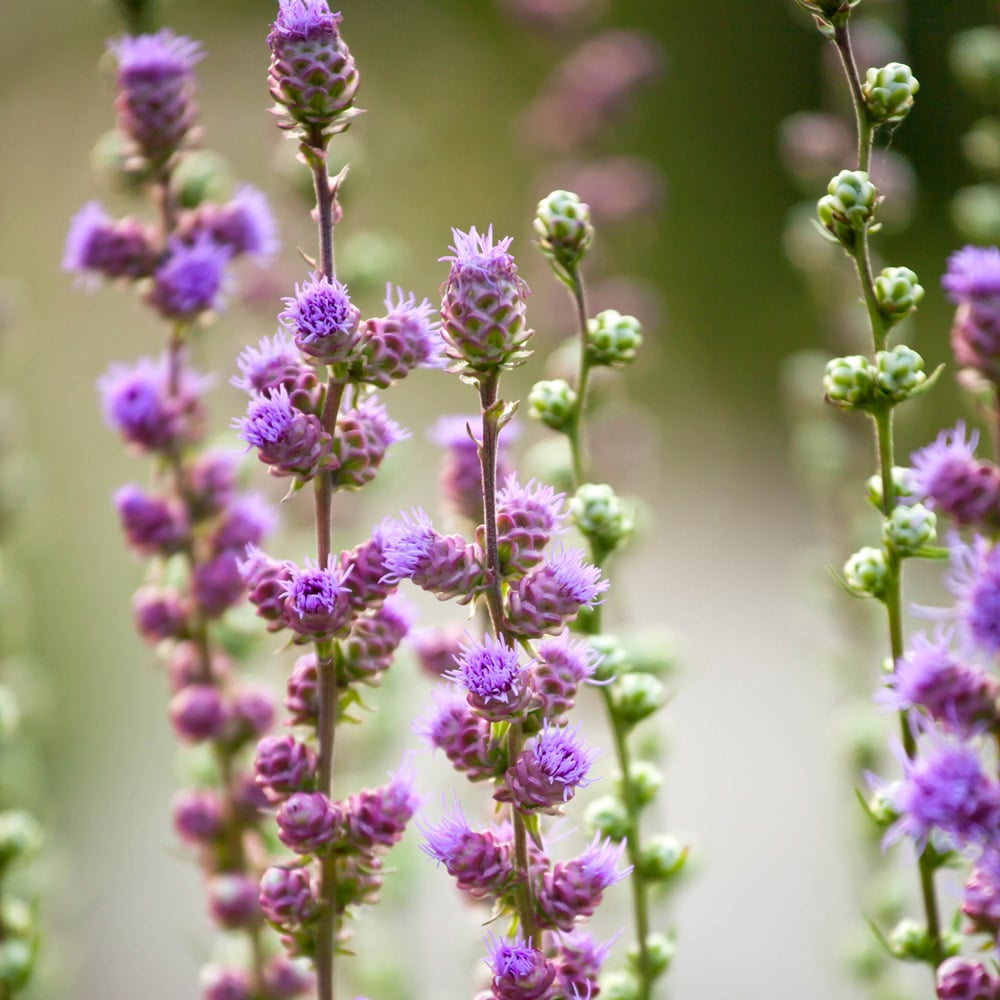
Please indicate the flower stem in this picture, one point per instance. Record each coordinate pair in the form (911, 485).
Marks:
(574, 430)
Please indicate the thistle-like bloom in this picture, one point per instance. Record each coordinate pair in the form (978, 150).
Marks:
(579, 963)
(573, 890)
(97, 245)
(376, 818)
(366, 563)
(312, 74)
(483, 304)
(951, 478)
(974, 579)
(322, 319)
(198, 713)
(981, 900)
(961, 698)
(552, 594)
(316, 599)
(972, 282)
(244, 225)
(560, 666)
(461, 470)
(364, 434)
(527, 518)
(462, 734)
(520, 971)
(286, 897)
(492, 674)
(152, 525)
(548, 771)
(156, 87)
(283, 766)
(481, 863)
(274, 362)
(307, 822)
(289, 441)
(189, 281)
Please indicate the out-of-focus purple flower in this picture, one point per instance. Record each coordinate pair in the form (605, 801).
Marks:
(274, 362)
(981, 900)
(322, 319)
(480, 862)
(286, 978)
(159, 613)
(520, 971)
(316, 599)
(251, 712)
(245, 522)
(284, 766)
(961, 698)
(945, 788)
(186, 666)
(493, 677)
(579, 961)
(308, 821)
(548, 771)
(266, 580)
(212, 483)
(961, 978)
(951, 478)
(302, 691)
(527, 518)
(198, 815)
(557, 15)
(437, 648)
(156, 87)
(560, 666)
(573, 890)
(462, 734)
(286, 896)
(376, 818)
(312, 74)
(232, 899)
(152, 525)
(552, 594)
(244, 225)
(189, 282)
(974, 579)
(96, 245)
(289, 441)
(198, 713)
(217, 584)
(973, 273)
(225, 983)
(371, 644)
(483, 304)
(364, 434)
(972, 282)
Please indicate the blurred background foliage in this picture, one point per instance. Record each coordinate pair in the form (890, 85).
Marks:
(730, 560)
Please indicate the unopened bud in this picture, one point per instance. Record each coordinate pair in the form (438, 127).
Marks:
(908, 529)
(866, 572)
(613, 339)
(848, 207)
(900, 371)
(889, 91)
(608, 816)
(596, 510)
(553, 402)
(637, 696)
(898, 293)
(663, 858)
(849, 382)
(562, 223)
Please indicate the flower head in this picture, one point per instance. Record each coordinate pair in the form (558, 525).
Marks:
(307, 822)
(96, 245)
(491, 673)
(527, 518)
(553, 593)
(322, 319)
(973, 284)
(520, 971)
(364, 434)
(974, 579)
(244, 225)
(548, 771)
(316, 599)
(573, 890)
(376, 818)
(973, 273)
(189, 281)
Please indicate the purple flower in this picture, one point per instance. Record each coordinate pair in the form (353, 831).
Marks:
(371, 644)
(965, 979)
(274, 362)
(483, 304)
(252, 709)
(197, 713)
(307, 822)
(377, 817)
(364, 434)
(981, 901)
(265, 579)
(212, 482)
(496, 682)
(283, 766)
(286, 978)
(973, 284)
(462, 734)
(316, 599)
(368, 570)
(97, 245)
(198, 816)
(232, 899)
(436, 648)
(221, 983)
(245, 225)
(579, 963)
(461, 470)
(973, 273)
(302, 691)
(159, 614)
(560, 666)
(152, 525)
(322, 319)
(286, 896)
(245, 522)
(548, 771)
(945, 788)
(217, 584)
(520, 971)
(527, 518)
(189, 281)
(156, 86)
(974, 579)
(573, 890)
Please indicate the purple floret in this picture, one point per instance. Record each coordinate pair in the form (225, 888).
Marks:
(301, 19)
(322, 319)
(520, 971)
(491, 673)
(973, 273)
(190, 281)
(476, 253)
(246, 224)
(160, 56)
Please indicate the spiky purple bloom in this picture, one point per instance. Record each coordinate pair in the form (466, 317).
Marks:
(198, 815)
(283, 766)
(974, 579)
(232, 899)
(480, 862)
(364, 434)
(266, 581)
(308, 821)
(274, 362)
(152, 525)
(961, 698)
(560, 666)
(289, 441)
(302, 691)
(573, 890)
(156, 87)
(312, 73)
(245, 522)
(527, 518)
(371, 644)
(461, 482)
(244, 225)
(579, 963)
(317, 601)
(973, 273)
(945, 788)
(972, 282)
(520, 971)
(954, 481)
(217, 584)
(286, 896)
(552, 594)
(189, 281)
(139, 403)
(446, 566)
(98, 245)
(493, 677)
(159, 613)
(224, 983)
(483, 304)
(376, 818)
(198, 713)
(549, 770)
(960, 978)
(462, 734)
(322, 319)
(981, 899)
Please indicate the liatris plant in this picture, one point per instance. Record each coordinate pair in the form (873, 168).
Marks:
(193, 524)
(314, 417)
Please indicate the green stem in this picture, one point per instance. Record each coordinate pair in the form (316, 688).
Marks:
(574, 430)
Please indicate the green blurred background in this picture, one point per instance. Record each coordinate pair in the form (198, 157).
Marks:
(730, 561)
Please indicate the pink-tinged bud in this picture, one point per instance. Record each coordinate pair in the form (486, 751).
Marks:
(185, 666)
(552, 594)
(198, 816)
(159, 614)
(463, 735)
(438, 648)
(251, 713)
(376, 817)
(302, 693)
(972, 282)
(371, 644)
(286, 896)
(363, 436)
(393, 345)
(965, 979)
(212, 483)
(560, 666)
(197, 713)
(221, 983)
(981, 900)
(527, 518)
(307, 822)
(365, 565)
(249, 801)
(217, 585)
(266, 580)
(152, 525)
(232, 899)
(286, 978)
(284, 766)
(573, 890)
(481, 863)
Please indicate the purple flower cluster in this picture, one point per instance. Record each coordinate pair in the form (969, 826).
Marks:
(972, 282)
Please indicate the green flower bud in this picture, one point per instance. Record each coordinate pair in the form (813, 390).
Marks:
(910, 940)
(888, 92)
(900, 371)
(663, 858)
(848, 207)
(613, 339)
(600, 516)
(850, 381)
(552, 401)
(903, 483)
(114, 165)
(17, 958)
(614, 660)
(608, 816)
(898, 293)
(881, 808)
(16, 917)
(636, 696)
(20, 836)
(645, 780)
(562, 222)
(659, 954)
(619, 985)
(866, 572)
(908, 529)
